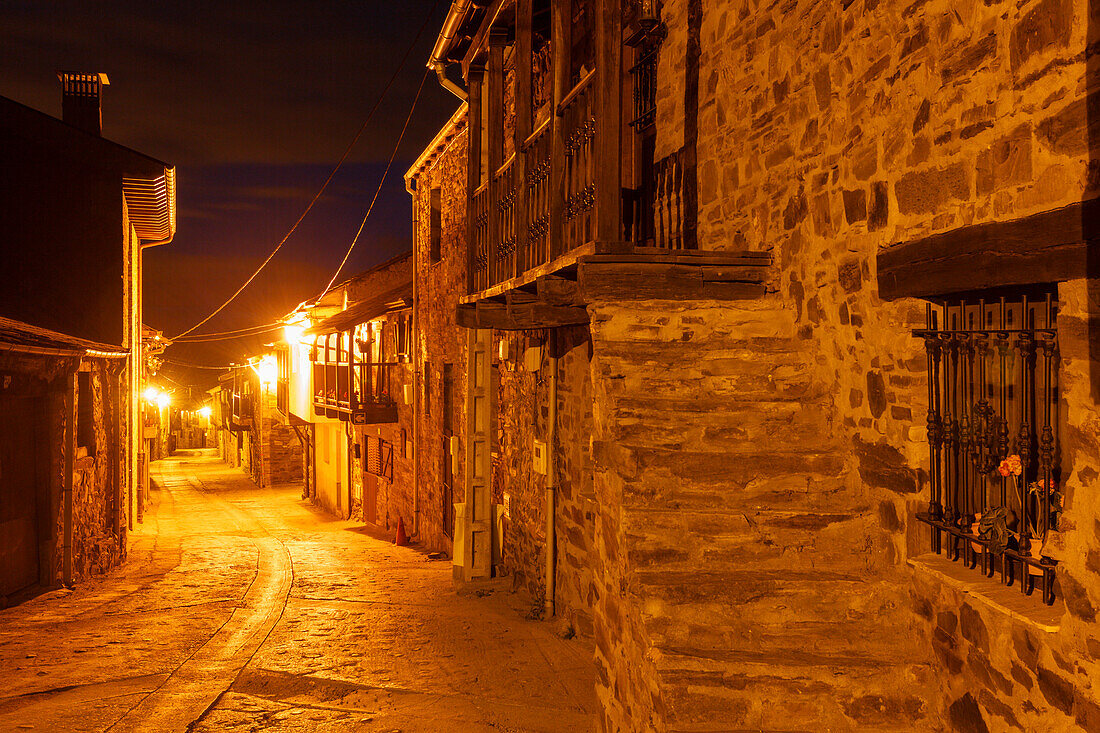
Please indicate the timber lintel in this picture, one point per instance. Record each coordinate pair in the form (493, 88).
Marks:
(1043, 248)
(519, 316)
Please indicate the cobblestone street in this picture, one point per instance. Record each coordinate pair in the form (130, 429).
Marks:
(248, 609)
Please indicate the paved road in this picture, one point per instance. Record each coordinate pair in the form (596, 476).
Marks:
(243, 609)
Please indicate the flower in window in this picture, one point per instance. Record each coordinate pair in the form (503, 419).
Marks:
(1010, 466)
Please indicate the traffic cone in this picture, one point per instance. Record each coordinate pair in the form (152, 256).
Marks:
(400, 540)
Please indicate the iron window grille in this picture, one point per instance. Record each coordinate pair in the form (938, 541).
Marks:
(379, 459)
(993, 435)
(644, 75)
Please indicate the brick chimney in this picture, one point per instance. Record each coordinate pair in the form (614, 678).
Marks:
(80, 100)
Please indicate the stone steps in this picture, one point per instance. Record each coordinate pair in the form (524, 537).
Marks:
(764, 539)
(804, 692)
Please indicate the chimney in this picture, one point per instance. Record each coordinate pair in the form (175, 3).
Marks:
(80, 100)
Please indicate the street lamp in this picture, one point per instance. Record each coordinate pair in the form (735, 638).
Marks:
(267, 369)
(163, 400)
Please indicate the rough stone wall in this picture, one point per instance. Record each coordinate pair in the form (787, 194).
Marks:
(741, 560)
(576, 507)
(380, 279)
(96, 486)
(439, 340)
(282, 453)
(521, 419)
(826, 132)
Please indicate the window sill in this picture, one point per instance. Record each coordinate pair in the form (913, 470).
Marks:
(990, 592)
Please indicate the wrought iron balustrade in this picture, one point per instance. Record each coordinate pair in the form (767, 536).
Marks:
(993, 435)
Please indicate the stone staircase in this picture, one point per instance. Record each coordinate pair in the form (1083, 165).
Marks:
(766, 587)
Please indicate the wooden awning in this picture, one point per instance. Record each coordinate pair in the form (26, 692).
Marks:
(366, 310)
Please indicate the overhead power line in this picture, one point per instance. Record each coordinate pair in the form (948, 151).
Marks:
(227, 335)
(324, 186)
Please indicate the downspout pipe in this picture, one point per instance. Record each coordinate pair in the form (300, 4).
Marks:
(551, 472)
(451, 24)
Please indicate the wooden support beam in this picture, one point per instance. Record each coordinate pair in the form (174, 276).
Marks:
(1043, 248)
(519, 316)
(626, 281)
(555, 290)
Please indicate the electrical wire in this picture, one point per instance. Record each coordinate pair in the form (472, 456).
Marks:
(188, 365)
(324, 186)
(228, 335)
(378, 190)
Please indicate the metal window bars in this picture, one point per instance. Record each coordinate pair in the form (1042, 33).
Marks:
(993, 435)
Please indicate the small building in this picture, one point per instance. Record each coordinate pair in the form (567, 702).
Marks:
(63, 486)
(250, 431)
(345, 381)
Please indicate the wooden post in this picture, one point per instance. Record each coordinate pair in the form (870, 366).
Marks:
(473, 171)
(523, 127)
(608, 107)
(476, 560)
(561, 13)
(495, 141)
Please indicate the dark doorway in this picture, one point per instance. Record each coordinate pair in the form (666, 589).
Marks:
(18, 493)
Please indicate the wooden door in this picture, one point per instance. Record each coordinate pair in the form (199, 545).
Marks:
(18, 493)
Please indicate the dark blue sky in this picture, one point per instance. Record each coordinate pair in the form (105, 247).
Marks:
(253, 102)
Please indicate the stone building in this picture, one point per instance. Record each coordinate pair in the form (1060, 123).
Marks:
(250, 429)
(63, 492)
(76, 212)
(784, 299)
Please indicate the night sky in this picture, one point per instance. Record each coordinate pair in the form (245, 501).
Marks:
(253, 102)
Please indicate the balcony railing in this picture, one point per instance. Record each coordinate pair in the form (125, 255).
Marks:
(536, 152)
(577, 111)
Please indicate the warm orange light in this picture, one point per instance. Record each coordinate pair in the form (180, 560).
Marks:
(205, 411)
(293, 332)
(267, 369)
(163, 399)
(151, 393)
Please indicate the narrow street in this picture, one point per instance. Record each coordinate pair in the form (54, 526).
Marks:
(247, 609)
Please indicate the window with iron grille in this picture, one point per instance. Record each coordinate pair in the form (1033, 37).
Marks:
(644, 76)
(379, 457)
(995, 480)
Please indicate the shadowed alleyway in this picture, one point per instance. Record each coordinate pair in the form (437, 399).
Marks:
(246, 609)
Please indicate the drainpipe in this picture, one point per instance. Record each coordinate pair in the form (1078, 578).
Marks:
(67, 490)
(348, 430)
(414, 356)
(451, 24)
(551, 471)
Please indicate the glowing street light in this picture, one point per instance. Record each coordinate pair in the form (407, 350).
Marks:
(205, 411)
(151, 393)
(163, 400)
(267, 369)
(293, 332)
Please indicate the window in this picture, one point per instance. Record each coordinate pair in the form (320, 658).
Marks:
(379, 457)
(993, 434)
(427, 388)
(448, 399)
(435, 224)
(85, 415)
